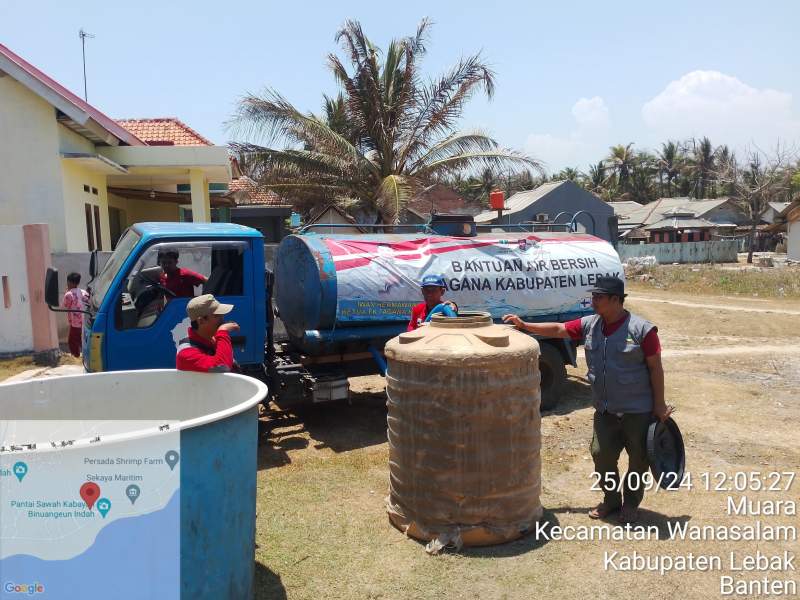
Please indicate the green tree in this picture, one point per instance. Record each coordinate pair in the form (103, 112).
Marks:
(621, 161)
(483, 185)
(763, 178)
(701, 168)
(641, 182)
(404, 136)
(596, 180)
(669, 162)
(568, 174)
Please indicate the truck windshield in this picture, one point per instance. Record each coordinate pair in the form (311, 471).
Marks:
(103, 281)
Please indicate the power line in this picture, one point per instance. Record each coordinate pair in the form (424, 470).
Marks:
(83, 35)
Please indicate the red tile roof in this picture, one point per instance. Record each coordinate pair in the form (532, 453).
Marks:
(246, 192)
(105, 122)
(443, 198)
(164, 131)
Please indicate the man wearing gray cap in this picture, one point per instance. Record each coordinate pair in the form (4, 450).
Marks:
(623, 356)
(208, 348)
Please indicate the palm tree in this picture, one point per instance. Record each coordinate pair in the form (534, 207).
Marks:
(596, 180)
(641, 181)
(701, 167)
(336, 117)
(405, 129)
(567, 174)
(483, 185)
(668, 162)
(621, 160)
(522, 182)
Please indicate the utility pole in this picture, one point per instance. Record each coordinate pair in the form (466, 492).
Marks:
(83, 35)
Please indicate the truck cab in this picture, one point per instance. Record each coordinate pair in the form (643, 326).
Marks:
(134, 321)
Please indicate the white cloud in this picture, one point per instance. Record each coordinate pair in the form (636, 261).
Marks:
(723, 108)
(591, 113)
(579, 147)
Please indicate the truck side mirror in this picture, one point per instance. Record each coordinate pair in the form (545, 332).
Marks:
(93, 265)
(51, 287)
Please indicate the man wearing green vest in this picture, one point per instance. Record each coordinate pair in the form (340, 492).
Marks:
(623, 356)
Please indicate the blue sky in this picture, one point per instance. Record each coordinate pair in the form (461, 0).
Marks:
(572, 77)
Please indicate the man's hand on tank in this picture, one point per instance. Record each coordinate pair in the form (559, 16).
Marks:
(514, 320)
(230, 326)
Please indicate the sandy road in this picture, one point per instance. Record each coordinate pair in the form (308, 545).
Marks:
(727, 307)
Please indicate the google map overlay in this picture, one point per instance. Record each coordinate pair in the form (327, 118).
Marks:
(91, 516)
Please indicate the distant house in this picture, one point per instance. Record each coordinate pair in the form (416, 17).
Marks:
(674, 217)
(680, 225)
(562, 199)
(791, 216)
(773, 210)
(67, 164)
(259, 208)
(439, 199)
(333, 215)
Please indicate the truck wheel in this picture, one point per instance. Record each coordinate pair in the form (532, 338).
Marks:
(554, 374)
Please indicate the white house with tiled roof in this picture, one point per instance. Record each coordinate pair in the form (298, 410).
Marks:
(65, 163)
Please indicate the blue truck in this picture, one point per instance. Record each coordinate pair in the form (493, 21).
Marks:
(325, 311)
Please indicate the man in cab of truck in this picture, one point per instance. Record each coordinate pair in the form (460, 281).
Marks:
(433, 289)
(208, 348)
(177, 280)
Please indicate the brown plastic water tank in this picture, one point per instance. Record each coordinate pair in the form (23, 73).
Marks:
(464, 431)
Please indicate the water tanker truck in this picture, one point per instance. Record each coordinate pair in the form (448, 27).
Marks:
(325, 311)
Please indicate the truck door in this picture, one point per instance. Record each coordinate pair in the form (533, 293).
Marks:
(149, 319)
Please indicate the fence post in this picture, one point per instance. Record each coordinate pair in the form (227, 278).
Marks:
(37, 260)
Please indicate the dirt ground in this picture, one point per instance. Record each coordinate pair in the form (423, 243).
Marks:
(732, 369)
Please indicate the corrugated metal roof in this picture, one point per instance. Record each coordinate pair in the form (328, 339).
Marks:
(520, 201)
(681, 223)
(655, 211)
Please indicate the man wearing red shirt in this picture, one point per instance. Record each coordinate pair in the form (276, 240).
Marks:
(623, 356)
(176, 279)
(208, 348)
(432, 291)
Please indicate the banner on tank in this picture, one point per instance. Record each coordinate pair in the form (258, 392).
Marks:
(525, 274)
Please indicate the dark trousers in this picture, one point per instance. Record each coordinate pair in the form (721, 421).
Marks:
(74, 341)
(611, 434)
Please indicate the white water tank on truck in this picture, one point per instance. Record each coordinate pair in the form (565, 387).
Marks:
(332, 290)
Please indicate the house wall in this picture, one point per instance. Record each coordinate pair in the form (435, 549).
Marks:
(26, 324)
(333, 217)
(139, 211)
(31, 188)
(687, 252)
(74, 177)
(793, 240)
(571, 199)
(16, 333)
(71, 142)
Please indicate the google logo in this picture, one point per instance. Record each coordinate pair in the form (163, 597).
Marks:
(23, 588)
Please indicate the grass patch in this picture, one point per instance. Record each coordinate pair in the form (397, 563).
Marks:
(13, 366)
(717, 280)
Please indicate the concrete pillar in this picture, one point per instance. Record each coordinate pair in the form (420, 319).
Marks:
(201, 202)
(37, 259)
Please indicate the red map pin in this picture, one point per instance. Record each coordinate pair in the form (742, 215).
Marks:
(90, 492)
